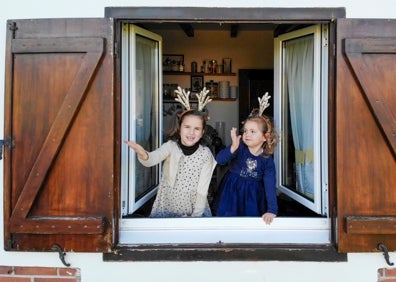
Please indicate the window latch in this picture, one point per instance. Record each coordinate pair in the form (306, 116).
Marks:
(384, 249)
(9, 142)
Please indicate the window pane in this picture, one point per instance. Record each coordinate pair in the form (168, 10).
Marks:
(141, 120)
(298, 145)
(146, 117)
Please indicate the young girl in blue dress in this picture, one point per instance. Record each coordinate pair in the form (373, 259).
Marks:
(248, 187)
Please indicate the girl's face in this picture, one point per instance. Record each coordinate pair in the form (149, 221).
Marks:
(253, 135)
(191, 130)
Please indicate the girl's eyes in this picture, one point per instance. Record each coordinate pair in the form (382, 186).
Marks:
(248, 131)
(195, 128)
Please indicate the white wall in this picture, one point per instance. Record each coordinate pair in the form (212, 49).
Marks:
(360, 267)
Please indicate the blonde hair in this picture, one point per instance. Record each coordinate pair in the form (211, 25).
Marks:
(268, 130)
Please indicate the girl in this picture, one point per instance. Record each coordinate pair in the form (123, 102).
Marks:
(248, 187)
(187, 168)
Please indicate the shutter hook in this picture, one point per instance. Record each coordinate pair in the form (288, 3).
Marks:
(62, 254)
(383, 248)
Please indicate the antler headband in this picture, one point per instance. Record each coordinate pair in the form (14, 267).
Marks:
(263, 102)
(183, 98)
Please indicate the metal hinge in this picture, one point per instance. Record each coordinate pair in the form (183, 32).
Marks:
(13, 27)
(9, 142)
(116, 49)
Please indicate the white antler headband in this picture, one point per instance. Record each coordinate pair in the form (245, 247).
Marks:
(263, 102)
(203, 99)
(183, 98)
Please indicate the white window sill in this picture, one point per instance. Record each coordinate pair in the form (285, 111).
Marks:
(216, 230)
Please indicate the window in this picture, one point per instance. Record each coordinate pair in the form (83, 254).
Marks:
(301, 113)
(252, 230)
(141, 53)
(70, 156)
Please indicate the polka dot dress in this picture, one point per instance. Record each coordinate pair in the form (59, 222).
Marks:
(179, 201)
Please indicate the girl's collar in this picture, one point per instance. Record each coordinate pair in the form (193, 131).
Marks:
(188, 150)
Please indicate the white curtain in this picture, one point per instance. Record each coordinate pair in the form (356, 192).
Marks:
(146, 123)
(299, 69)
(145, 88)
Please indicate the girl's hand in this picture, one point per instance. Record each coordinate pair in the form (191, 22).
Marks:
(140, 151)
(268, 217)
(235, 140)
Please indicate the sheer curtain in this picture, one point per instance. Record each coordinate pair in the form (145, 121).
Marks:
(146, 78)
(299, 69)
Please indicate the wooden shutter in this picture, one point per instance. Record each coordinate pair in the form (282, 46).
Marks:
(59, 112)
(366, 134)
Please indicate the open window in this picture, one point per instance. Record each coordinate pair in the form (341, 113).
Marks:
(141, 118)
(62, 164)
(301, 64)
(309, 128)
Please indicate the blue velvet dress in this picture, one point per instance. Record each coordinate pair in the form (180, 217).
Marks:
(248, 187)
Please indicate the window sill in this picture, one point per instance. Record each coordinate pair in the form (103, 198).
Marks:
(226, 252)
(231, 230)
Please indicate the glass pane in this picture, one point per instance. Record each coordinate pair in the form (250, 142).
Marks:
(298, 121)
(145, 111)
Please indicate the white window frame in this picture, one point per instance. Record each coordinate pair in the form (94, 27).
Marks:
(227, 230)
(128, 128)
(320, 33)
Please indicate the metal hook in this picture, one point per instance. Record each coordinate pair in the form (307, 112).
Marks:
(62, 254)
(384, 249)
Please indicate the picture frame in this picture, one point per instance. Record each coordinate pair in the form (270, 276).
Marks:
(227, 65)
(171, 62)
(197, 83)
(213, 88)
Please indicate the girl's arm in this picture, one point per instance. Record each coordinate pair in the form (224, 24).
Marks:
(225, 155)
(139, 150)
(236, 139)
(270, 191)
(151, 158)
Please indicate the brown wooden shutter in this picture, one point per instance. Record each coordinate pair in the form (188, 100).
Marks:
(366, 134)
(59, 111)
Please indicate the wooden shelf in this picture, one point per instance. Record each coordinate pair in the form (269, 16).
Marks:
(197, 73)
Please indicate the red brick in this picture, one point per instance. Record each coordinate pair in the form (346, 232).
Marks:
(19, 270)
(54, 279)
(5, 269)
(14, 279)
(386, 275)
(68, 272)
(390, 272)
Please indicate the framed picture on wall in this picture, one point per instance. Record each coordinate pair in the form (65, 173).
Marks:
(197, 83)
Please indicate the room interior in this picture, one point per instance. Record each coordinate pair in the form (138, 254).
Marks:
(250, 50)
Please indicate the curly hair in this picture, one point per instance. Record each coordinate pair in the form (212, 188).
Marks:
(268, 130)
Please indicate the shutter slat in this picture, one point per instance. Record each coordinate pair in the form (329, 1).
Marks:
(370, 225)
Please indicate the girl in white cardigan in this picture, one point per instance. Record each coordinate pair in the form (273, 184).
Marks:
(187, 169)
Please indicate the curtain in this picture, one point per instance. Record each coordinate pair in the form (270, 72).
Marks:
(146, 122)
(299, 69)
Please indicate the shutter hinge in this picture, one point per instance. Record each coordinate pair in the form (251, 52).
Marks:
(116, 49)
(9, 142)
(13, 27)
